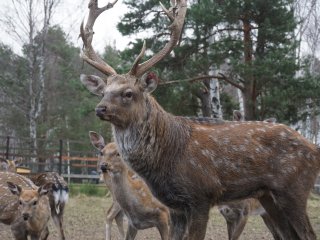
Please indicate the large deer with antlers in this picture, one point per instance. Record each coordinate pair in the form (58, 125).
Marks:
(191, 164)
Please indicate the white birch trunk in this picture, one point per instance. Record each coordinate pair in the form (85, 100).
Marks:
(241, 102)
(215, 96)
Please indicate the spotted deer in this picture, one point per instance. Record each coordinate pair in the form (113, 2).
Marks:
(192, 164)
(24, 206)
(236, 213)
(130, 192)
(58, 195)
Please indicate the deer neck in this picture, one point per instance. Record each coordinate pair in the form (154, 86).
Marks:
(146, 145)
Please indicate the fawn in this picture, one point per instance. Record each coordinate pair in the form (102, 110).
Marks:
(130, 192)
(24, 206)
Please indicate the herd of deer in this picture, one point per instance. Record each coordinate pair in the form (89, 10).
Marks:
(167, 171)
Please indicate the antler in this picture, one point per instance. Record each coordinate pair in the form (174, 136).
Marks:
(86, 33)
(177, 15)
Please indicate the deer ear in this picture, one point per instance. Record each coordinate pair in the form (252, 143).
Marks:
(15, 189)
(96, 140)
(44, 189)
(149, 82)
(93, 83)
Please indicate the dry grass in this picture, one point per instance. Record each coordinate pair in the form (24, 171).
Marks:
(85, 219)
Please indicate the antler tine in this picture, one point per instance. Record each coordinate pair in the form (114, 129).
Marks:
(177, 16)
(86, 33)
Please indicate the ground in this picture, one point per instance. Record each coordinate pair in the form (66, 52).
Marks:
(85, 219)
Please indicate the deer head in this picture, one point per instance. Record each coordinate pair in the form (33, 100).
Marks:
(29, 200)
(109, 159)
(124, 95)
(9, 165)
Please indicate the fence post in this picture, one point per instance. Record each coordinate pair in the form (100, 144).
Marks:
(7, 147)
(60, 155)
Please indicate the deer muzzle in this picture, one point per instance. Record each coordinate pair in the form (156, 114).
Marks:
(101, 111)
(26, 216)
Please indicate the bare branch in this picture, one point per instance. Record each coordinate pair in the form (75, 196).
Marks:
(220, 76)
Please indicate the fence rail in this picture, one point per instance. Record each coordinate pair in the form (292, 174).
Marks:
(76, 160)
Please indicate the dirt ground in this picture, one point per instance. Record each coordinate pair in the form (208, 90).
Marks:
(85, 220)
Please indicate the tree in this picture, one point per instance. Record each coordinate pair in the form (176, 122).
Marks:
(250, 43)
(30, 26)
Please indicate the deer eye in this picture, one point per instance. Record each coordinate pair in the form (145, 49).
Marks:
(118, 154)
(35, 203)
(128, 94)
(20, 202)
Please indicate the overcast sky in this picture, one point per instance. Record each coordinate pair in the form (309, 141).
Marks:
(69, 15)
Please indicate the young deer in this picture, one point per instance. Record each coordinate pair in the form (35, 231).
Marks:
(130, 192)
(114, 212)
(58, 195)
(24, 206)
(191, 164)
(9, 165)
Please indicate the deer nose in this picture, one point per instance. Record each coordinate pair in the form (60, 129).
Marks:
(101, 111)
(25, 216)
(103, 168)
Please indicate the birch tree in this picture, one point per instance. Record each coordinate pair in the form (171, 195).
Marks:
(27, 22)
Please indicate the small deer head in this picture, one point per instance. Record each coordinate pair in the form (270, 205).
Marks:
(124, 95)
(109, 159)
(29, 200)
(9, 165)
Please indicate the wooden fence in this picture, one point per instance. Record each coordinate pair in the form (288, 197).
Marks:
(75, 160)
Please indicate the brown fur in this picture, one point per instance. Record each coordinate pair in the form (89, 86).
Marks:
(131, 193)
(191, 165)
(24, 206)
(40, 179)
(61, 190)
(237, 213)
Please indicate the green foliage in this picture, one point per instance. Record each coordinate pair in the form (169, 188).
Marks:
(87, 189)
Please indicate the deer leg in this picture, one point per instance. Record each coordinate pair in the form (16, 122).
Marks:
(235, 228)
(131, 233)
(295, 211)
(178, 225)
(113, 211)
(58, 220)
(278, 217)
(119, 221)
(198, 223)
(272, 228)
(163, 226)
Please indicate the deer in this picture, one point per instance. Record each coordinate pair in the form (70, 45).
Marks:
(9, 165)
(193, 163)
(236, 213)
(58, 194)
(130, 192)
(24, 206)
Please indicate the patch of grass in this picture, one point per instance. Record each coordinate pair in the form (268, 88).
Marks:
(87, 189)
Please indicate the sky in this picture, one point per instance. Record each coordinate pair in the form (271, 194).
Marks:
(69, 15)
